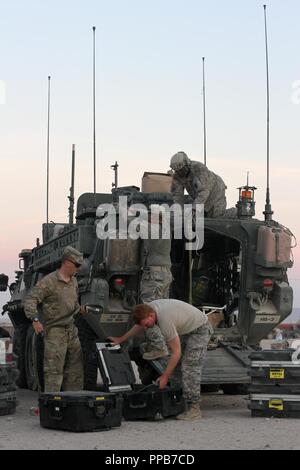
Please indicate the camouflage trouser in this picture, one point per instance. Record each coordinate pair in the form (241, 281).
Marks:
(189, 370)
(155, 285)
(63, 368)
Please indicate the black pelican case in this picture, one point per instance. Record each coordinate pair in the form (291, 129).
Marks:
(275, 406)
(275, 372)
(139, 401)
(80, 411)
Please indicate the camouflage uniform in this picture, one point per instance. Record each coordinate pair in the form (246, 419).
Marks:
(155, 284)
(62, 357)
(204, 186)
(189, 370)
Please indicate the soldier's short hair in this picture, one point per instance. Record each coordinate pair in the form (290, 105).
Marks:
(140, 312)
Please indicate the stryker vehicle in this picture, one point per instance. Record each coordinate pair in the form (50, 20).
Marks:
(238, 277)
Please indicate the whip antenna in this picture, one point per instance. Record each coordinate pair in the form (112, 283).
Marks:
(204, 111)
(71, 197)
(48, 147)
(94, 106)
(268, 209)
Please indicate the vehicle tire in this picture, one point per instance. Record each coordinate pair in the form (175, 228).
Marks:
(89, 354)
(235, 389)
(19, 345)
(34, 352)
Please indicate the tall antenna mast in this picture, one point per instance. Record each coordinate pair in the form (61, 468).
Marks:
(268, 209)
(48, 147)
(94, 105)
(71, 197)
(204, 111)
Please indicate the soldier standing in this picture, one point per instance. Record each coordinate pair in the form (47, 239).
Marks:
(155, 282)
(57, 293)
(204, 186)
(187, 332)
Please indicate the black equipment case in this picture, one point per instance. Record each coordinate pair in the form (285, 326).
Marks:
(275, 372)
(80, 411)
(275, 406)
(140, 402)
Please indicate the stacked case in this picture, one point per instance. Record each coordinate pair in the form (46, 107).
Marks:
(275, 384)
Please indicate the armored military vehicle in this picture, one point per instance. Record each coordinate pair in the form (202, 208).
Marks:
(239, 278)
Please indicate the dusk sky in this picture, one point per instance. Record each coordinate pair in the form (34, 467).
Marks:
(149, 102)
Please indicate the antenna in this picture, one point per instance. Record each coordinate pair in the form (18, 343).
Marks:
(268, 209)
(115, 168)
(48, 147)
(71, 197)
(247, 178)
(204, 111)
(94, 106)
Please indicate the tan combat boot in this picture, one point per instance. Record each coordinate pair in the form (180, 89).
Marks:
(192, 412)
(154, 354)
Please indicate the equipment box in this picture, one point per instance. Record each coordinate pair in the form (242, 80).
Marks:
(80, 411)
(275, 406)
(272, 355)
(275, 372)
(140, 402)
(152, 403)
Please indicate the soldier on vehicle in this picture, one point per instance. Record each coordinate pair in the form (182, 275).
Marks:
(204, 186)
(187, 332)
(155, 282)
(57, 293)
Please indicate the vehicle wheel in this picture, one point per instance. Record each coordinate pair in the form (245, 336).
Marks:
(88, 346)
(34, 360)
(235, 389)
(19, 345)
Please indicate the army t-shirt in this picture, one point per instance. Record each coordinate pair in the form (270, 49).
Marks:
(177, 318)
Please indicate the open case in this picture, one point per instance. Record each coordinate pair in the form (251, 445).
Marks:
(139, 402)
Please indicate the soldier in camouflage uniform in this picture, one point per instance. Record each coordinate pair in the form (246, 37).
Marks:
(57, 293)
(187, 332)
(155, 284)
(204, 186)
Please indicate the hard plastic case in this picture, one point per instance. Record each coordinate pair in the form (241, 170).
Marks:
(275, 406)
(80, 411)
(140, 402)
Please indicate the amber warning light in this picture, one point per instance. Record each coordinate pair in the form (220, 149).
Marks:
(247, 194)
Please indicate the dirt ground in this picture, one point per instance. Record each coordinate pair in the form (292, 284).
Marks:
(226, 424)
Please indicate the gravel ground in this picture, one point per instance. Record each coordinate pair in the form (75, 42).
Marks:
(226, 424)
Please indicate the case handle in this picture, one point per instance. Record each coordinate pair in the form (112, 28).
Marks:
(141, 405)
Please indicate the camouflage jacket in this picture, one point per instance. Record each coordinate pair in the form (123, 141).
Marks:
(58, 300)
(203, 186)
